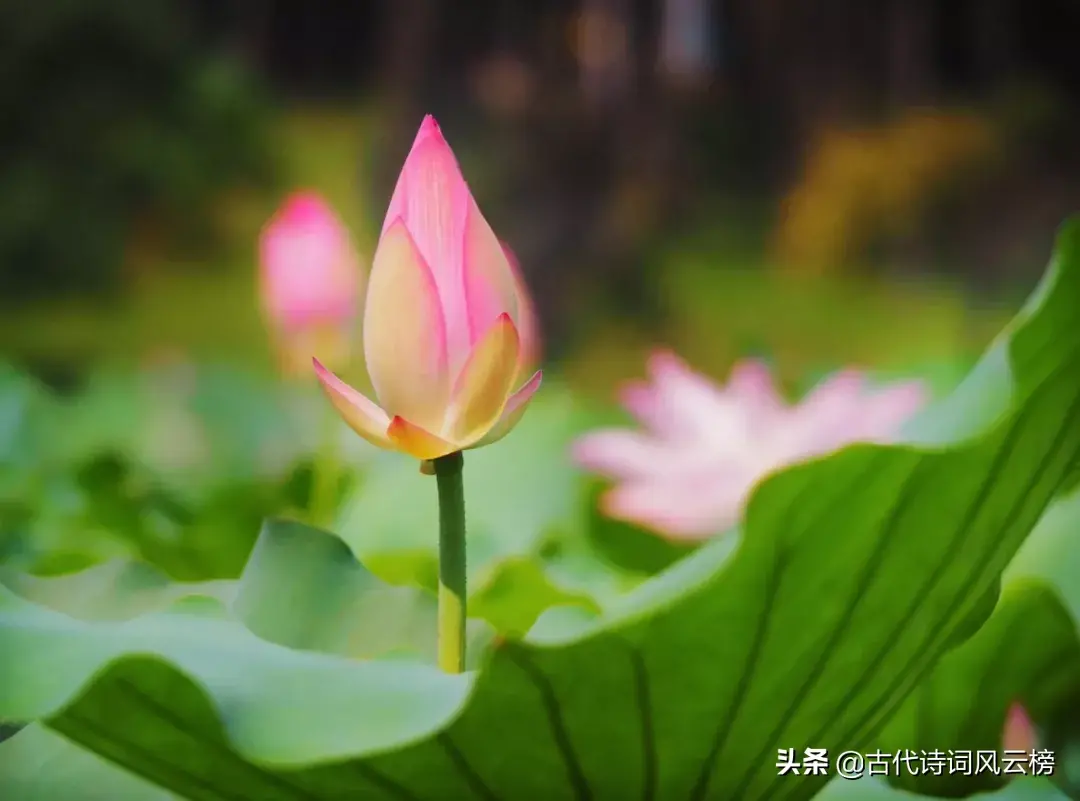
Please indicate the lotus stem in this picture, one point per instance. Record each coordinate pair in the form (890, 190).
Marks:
(451, 617)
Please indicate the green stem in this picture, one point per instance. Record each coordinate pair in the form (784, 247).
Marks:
(324, 486)
(451, 633)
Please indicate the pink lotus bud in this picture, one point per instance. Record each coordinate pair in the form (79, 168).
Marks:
(448, 329)
(1019, 733)
(310, 281)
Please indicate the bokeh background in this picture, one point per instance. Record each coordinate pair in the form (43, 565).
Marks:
(842, 182)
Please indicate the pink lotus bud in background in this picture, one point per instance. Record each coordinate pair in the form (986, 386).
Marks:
(449, 335)
(1019, 732)
(310, 282)
(688, 475)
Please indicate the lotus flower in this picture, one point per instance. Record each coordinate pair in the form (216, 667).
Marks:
(688, 475)
(1019, 732)
(310, 281)
(448, 331)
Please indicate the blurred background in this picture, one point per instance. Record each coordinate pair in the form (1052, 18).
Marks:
(821, 182)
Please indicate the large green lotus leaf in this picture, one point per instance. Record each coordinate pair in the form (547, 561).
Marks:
(515, 495)
(877, 789)
(1028, 651)
(1052, 555)
(854, 575)
(114, 590)
(39, 765)
(302, 588)
(1052, 552)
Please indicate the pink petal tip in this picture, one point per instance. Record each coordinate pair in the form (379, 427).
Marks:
(429, 129)
(305, 206)
(1019, 733)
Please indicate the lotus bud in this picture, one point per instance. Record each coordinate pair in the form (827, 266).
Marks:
(448, 331)
(310, 283)
(1019, 732)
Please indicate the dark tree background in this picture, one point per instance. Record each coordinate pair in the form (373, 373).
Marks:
(590, 142)
(591, 127)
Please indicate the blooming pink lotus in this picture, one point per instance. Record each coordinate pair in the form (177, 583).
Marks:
(704, 447)
(449, 335)
(310, 281)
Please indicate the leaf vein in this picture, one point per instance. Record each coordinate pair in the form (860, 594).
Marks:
(648, 734)
(382, 781)
(550, 701)
(868, 573)
(890, 699)
(191, 785)
(701, 786)
(1024, 497)
(461, 764)
(181, 726)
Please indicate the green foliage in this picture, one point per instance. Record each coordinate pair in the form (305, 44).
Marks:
(73, 772)
(120, 468)
(115, 117)
(860, 607)
(1023, 789)
(1028, 652)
